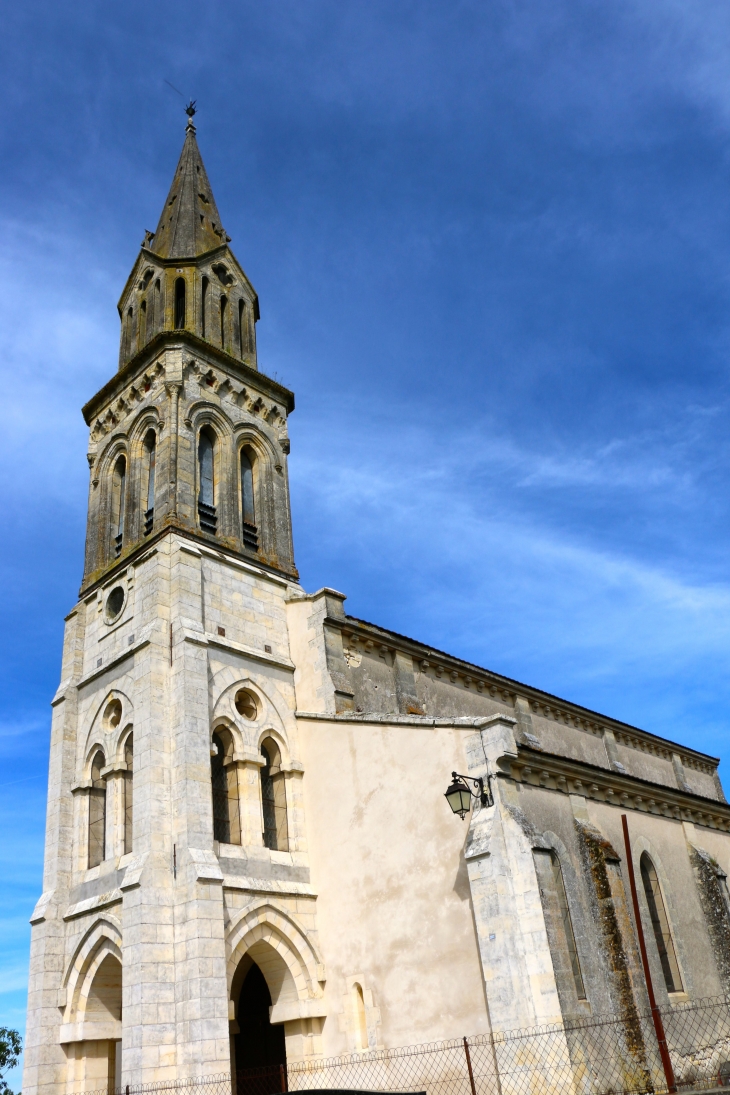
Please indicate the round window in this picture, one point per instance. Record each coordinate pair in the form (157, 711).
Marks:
(246, 704)
(114, 603)
(113, 714)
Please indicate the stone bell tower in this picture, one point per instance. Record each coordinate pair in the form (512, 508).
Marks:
(176, 678)
(188, 315)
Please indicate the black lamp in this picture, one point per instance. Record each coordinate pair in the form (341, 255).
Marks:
(459, 794)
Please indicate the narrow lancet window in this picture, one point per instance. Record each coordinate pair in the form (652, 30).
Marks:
(564, 910)
(129, 332)
(119, 482)
(206, 476)
(143, 323)
(180, 303)
(242, 347)
(97, 812)
(559, 924)
(203, 306)
(158, 306)
(128, 792)
(150, 444)
(224, 311)
(273, 798)
(248, 511)
(660, 924)
(362, 1026)
(224, 781)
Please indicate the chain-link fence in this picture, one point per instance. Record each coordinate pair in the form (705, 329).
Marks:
(614, 1055)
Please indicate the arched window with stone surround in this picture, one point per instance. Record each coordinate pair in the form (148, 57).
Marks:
(206, 480)
(273, 798)
(660, 924)
(128, 792)
(249, 530)
(150, 450)
(180, 310)
(224, 320)
(242, 339)
(360, 1016)
(119, 483)
(129, 333)
(559, 923)
(97, 811)
(204, 306)
(224, 782)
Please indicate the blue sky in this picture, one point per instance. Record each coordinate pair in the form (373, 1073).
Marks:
(492, 247)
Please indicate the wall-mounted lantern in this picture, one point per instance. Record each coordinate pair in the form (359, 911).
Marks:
(459, 794)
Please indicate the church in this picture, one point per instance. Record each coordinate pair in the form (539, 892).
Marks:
(249, 858)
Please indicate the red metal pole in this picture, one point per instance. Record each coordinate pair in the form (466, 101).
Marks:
(468, 1065)
(655, 1013)
(282, 1071)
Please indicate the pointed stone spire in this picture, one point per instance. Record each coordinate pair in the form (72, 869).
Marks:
(190, 224)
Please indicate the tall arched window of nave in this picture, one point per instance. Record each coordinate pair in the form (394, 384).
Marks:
(97, 811)
(660, 924)
(206, 480)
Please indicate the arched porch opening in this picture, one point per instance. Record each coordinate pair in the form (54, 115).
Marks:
(95, 1042)
(262, 979)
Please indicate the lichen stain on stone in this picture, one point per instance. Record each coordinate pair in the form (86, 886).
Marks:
(535, 838)
(715, 909)
(595, 850)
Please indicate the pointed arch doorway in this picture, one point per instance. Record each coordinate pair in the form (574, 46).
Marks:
(257, 1042)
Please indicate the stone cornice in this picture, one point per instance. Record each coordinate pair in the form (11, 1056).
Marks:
(205, 638)
(145, 358)
(139, 553)
(505, 689)
(535, 768)
(478, 722)
(103, 666)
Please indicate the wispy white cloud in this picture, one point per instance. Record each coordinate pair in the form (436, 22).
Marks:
(498, 579)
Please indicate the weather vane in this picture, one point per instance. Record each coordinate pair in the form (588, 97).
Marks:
(190, 109)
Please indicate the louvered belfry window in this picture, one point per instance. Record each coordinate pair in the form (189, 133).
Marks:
(149, 513)
(206, 488)
(249, 530)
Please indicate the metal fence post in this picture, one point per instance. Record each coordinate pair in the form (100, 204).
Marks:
(282, 1076)
(468, 1065)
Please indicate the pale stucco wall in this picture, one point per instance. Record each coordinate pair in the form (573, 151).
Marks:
(386, 856)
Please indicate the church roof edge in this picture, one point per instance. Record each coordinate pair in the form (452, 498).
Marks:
(527, 690)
